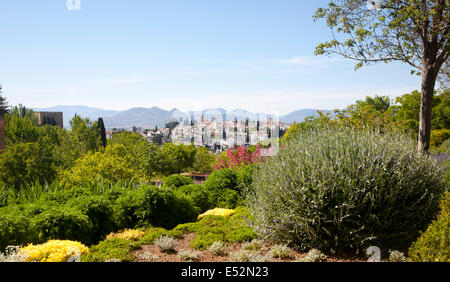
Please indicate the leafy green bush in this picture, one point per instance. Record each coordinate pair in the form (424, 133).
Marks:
(340, 189)
(245, 177)
(434, 244)
(222, 185)
(229, 199)
(177, 180)
(110, 249)
(63, 223)
(14, 228)
(100, 212)
(199, 196)
(153, 206)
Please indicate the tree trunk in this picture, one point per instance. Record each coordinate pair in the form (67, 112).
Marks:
(426, 103)
(2, 132)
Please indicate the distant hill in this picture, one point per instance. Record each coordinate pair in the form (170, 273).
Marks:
(140, 117)
(300, 115)
(82, 111)
(151, 117)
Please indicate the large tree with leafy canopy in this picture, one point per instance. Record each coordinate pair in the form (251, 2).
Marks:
(415, 32)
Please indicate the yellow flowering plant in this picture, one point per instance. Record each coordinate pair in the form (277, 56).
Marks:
(129, 234)
(53, 251)
(217, 211)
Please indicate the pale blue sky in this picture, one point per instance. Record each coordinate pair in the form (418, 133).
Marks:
(189, 54)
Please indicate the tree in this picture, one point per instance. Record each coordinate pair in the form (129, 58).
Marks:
(25, 163)
(203, 161)
(415, 32)
(21, 126)
(3, 102)
(111, 165)
(85, 134)
(101, 127)
(3, 110)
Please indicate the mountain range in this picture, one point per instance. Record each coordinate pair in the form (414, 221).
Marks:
(151, 117)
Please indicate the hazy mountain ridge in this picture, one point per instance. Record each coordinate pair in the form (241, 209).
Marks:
(151, 117)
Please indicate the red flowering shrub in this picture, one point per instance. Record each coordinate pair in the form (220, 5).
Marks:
(238, 158)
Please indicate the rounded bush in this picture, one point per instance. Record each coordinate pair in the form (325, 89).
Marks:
(14, 228)
(100, 212)
(63, 223)
(177, 180)
(340, 190)
(199, 196)
(434, 244)
(153, 206)
(218, 185)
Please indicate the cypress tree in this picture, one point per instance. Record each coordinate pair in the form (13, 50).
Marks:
(101, 126)
(3, 110)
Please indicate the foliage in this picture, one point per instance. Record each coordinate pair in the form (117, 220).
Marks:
(314, 255)
(129, 234)
(439, 136)
(166, 243)
(255, 245)
(102, 131)
(115, 248)
(218, 248)
(12, 254)
(434, 244)
(220, 185)
(53, 251)
(353, 188)
(218, 212)
(100, 211)
(249, 256)
(203, 161)
(213, 228)
(137, 150)
(188, 255)
(3, 102)
(85, 135)
(394, 31)
(238, 158)
(280, 251)
(153, 233)
(153, 206)
(26, 163)
(21, 126)
(172, 159)
(62, 223)
(176, 181)
(111, 165)
(14, 228)
(245, 178)
(199, 196)
(396, 256)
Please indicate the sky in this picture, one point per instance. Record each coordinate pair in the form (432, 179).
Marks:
(256, 55)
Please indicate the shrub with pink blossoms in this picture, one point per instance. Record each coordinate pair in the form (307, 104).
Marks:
(238, 158)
